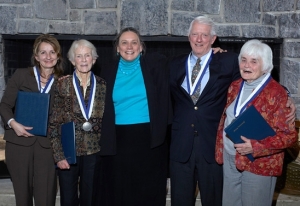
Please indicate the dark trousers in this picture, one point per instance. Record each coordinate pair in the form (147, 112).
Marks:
(33, 174)
(184, 177)
(82, 175)
(136, 175)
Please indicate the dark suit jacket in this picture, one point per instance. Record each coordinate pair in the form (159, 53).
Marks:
(22, 80)
(155, 75)
(203, 118)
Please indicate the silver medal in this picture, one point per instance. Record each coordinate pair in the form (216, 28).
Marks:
(87, 126)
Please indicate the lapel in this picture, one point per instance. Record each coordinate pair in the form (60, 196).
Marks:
(109, 75)
(214, 72)
(149, 84)
(32, 82)
(181, 74)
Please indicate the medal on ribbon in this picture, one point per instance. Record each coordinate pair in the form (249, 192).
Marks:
(240, 107)
(86, 110)
(38, 79)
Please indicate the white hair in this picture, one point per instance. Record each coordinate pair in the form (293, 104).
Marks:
(258, 50)
(78, 43)
(204, 20)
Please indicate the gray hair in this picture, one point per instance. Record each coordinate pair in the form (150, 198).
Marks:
(204, 20)
(258, 50)
(84, 43)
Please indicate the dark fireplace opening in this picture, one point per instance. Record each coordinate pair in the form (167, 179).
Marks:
(18, 49)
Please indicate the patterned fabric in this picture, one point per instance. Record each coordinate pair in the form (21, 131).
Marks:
(269, 152)
(195, 72)
(66, 108)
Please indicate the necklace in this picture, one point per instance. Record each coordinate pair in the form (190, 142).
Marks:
(44, 82)
(129, 71)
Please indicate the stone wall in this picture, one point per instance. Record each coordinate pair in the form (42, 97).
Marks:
(235, 18)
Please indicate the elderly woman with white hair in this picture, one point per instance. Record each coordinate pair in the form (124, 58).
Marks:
(247, 182)
(78, 98)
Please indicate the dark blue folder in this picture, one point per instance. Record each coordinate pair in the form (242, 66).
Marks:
(251, 125)
(68, 141)
(32, 109)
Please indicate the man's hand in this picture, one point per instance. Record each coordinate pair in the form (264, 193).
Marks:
(218, 49)
(290, 118)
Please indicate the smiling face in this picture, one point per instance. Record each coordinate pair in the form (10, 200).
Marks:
(46, 56)
(129, 46)
(83, 59)
(250, 68)
(201, 39)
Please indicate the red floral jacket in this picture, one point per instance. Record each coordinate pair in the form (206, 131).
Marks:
(269, 152)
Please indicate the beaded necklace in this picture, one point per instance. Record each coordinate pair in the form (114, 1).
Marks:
(127, 68)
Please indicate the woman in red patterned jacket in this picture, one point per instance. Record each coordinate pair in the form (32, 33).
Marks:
(247, 182)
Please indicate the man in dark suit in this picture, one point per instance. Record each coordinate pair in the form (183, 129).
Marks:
(198, 100)
(198, 83)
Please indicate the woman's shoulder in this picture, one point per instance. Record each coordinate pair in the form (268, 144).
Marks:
(24, 71)
(63, 81)
(153, 56)
(100, 80)
(276, 88)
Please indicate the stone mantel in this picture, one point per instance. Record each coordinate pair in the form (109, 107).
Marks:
(234, 18)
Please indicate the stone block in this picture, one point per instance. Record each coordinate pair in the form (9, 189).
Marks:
(208, 6)
(50, 9)
(183, 5)
(100, 23)
(289, 26)
(253, 31)
(15, 1)
(269, 19)
(25, 11)
(217, 19)
(75, 15)
(150, 17)
(180, 23)
(32, 26)
(278, 5)
(65, 27)
(289, 74)
(107, 3)
(291, 49)
(7, 19)
(228, 30)
(79, 4)
(241, 11)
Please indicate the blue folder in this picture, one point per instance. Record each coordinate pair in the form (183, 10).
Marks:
(251, 125)
(68, 142)
(32, 109)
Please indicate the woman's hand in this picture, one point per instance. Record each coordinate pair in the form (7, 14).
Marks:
(218, 49)
(63, 165)
(290, 118)
(20, 129)
(244, 148)
(63, 77)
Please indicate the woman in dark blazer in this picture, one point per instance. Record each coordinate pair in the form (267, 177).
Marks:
(29, 158)
(132, 169)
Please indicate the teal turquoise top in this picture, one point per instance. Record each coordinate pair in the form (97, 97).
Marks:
(129, 94)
